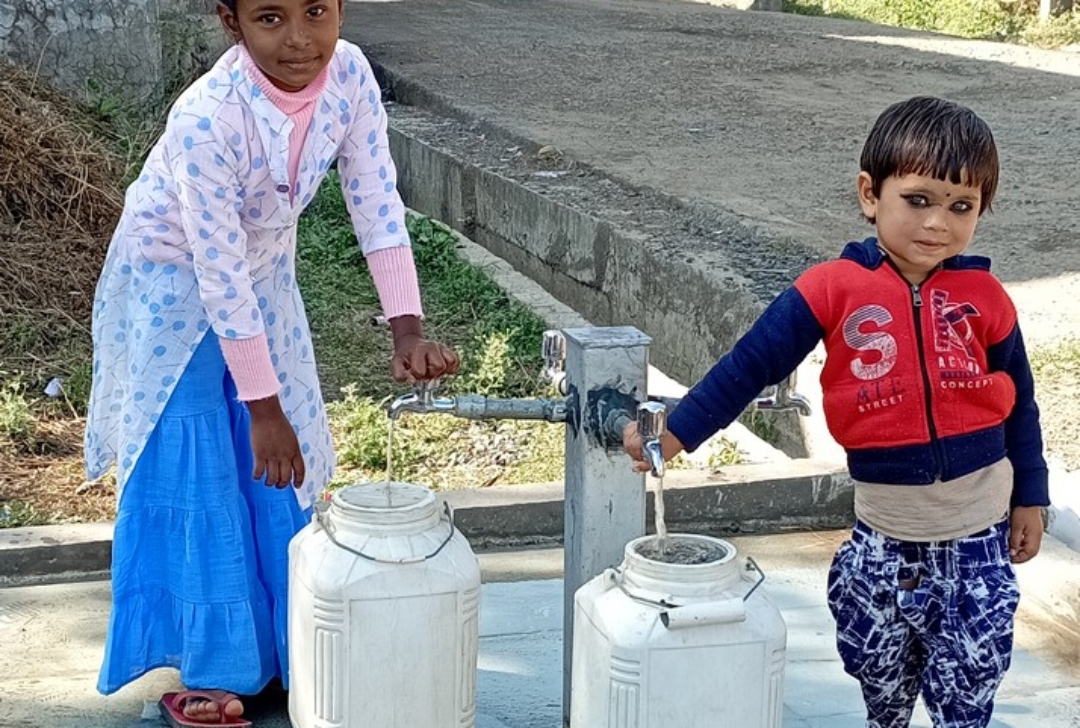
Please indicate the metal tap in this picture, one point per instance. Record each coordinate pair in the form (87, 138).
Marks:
(553, 350)
(783, 396)
(652, 424)
(421, 400)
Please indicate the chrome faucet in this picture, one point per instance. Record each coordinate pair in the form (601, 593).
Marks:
(783, 396)
(421, 400)
(553, 350)
(652, 424)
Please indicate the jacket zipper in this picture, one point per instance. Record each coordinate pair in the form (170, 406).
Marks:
(917, 304)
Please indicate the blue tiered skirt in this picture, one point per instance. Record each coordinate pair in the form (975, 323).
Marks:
(200, 550)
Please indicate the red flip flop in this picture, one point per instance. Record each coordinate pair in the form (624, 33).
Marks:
(172, 708)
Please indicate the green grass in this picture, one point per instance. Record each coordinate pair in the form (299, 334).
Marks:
(1006, 20)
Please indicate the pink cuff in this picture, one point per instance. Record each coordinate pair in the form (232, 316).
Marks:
(394, 273)
(250, 366)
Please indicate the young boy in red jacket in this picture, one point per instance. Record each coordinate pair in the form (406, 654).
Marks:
(928, 388)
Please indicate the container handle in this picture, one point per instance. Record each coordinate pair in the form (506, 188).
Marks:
(751, 565)
(328, 526)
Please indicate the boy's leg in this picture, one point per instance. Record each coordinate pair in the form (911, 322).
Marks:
(875, 643)
(972, 595)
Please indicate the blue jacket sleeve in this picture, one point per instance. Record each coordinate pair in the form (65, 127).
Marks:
(778, 341)
(1023, 433)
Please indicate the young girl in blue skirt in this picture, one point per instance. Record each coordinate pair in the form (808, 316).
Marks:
(205, 392)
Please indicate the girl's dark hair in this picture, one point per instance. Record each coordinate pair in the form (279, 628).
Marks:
(933, 137)
(230, 4)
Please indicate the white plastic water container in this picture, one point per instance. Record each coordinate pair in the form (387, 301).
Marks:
(662, 645)
(383, 608)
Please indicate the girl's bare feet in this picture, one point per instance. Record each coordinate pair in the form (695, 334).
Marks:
(212, 708)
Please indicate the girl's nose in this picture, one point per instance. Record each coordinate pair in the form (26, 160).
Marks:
(297, 37)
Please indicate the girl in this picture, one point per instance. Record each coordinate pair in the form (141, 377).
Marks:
(205, 391)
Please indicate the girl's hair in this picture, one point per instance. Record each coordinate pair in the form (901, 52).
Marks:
(933, 137)
(230, 4)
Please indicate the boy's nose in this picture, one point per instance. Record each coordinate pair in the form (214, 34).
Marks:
(935, 219)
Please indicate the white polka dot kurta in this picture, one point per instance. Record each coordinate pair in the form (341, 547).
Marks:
(207, 243)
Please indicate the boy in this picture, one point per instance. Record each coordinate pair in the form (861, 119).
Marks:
(928, 388)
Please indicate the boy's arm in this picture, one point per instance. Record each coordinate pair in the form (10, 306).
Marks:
(1023, 433)
(778, 341)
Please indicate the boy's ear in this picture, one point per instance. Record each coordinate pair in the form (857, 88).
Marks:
(230, 23)
(867, 199)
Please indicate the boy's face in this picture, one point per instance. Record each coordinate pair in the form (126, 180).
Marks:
(291, 41)
(921, 220)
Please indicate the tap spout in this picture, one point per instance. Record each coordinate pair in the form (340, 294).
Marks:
(655, 455)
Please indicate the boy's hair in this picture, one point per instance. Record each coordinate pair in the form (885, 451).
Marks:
(936, 138)
(230, 4)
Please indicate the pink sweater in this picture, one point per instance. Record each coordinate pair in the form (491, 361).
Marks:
(392, 269)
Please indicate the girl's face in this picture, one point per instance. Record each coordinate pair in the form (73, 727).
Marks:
(291, 41)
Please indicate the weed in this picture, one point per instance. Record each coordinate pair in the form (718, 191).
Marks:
(16, 416)
(15, 515)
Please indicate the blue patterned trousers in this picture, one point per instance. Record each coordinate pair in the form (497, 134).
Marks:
(935, 618)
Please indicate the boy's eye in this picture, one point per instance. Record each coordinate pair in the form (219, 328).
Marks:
(962, 206)
(916, 200)
(317, 12)
(268, 19)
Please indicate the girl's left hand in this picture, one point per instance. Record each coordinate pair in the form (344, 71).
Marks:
(418, 359)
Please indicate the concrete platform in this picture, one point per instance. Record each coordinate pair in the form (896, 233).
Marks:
(53, 635)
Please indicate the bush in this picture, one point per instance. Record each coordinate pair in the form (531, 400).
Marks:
(1012, 20)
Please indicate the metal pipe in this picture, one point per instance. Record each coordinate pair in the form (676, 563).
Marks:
(422, 400)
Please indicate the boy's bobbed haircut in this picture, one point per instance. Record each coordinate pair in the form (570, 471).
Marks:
(933, 137)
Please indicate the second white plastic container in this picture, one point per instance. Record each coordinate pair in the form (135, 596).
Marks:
(662, 645)
(383, 614)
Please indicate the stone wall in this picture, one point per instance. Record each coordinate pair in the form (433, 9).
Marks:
(130, 48)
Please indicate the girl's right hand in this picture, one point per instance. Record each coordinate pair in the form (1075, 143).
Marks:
(274, 445)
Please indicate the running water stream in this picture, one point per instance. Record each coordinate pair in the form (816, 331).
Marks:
(389, 458)
(658, 508)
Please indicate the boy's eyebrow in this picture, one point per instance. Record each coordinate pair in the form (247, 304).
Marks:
(272, 5)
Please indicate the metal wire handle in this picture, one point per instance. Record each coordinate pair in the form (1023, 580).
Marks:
(328, 526)
(616, 575)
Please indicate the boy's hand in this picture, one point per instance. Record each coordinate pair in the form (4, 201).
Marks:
(1025, 533)
(416, 358)
(634, 447)
(274, 445)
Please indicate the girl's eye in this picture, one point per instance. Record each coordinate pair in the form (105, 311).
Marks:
(317, 12)
(268, 19)
(916, 200)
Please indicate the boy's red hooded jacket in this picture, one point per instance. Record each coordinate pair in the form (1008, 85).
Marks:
(920, 383)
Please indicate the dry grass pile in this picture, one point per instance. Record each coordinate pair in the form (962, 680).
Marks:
(60, 197)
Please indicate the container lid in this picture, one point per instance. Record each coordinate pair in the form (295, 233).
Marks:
(384, 503)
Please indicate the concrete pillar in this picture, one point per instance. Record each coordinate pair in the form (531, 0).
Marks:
(604, 499)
